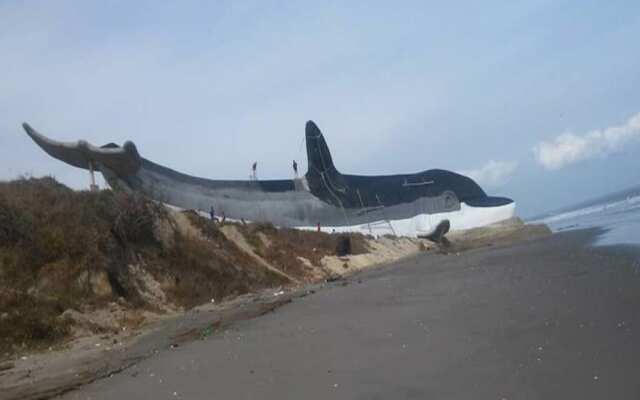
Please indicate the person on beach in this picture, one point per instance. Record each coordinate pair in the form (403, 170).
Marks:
(212, 214)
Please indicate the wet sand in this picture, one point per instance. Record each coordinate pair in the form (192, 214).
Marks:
(552, 318)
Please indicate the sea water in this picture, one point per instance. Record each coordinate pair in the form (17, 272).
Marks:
(617, 213)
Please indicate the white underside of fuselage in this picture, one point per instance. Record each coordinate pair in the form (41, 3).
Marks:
(467, 217)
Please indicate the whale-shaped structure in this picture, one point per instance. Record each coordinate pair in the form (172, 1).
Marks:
(406, 204)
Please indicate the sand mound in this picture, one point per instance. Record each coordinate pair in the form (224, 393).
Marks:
(506, 232)
(383, 250)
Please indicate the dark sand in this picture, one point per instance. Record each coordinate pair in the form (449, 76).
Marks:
(549, 319)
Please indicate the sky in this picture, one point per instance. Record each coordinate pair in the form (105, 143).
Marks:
(537, 100)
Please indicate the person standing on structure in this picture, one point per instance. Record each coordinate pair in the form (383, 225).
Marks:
(254, 167)
(295, 168)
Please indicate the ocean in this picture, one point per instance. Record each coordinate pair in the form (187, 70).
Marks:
(618, 213)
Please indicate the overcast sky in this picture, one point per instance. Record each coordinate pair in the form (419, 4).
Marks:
(537, 100)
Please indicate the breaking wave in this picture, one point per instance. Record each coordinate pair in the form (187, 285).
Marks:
(618, 214)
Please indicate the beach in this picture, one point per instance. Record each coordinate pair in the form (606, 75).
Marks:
(295, 200)
(548, 318)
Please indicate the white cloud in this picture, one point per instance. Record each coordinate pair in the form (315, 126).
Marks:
(493, 173)
(570, 148)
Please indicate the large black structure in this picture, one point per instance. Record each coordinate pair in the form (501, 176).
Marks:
(407, 204)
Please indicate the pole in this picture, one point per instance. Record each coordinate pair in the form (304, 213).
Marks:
(93, 187)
